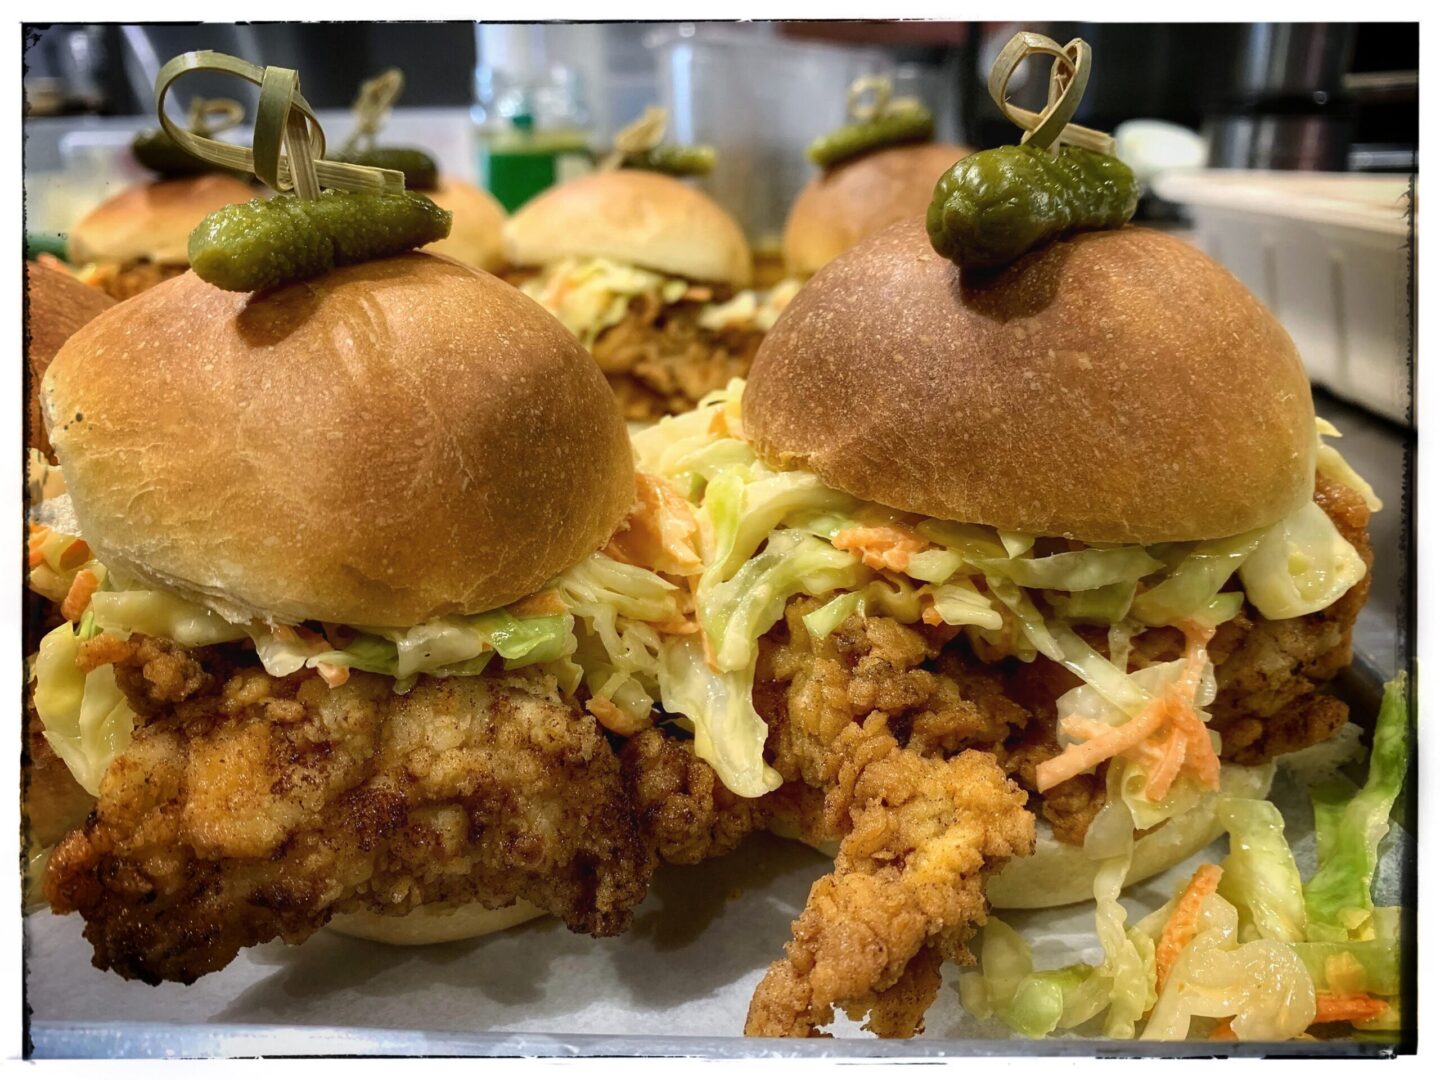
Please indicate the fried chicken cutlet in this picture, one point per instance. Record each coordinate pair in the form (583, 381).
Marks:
(252, 807)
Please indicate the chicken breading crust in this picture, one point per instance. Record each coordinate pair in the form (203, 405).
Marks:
(920, 832)
(259, 811)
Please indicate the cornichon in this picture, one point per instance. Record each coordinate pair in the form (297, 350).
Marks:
(418, 166)
(673, 160)
(268, 242)
(159, 153)
(993, 206)
(914, 124)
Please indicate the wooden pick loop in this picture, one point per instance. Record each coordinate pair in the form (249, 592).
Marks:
(858, 111)
(373, 103)
(639, 136)
(227, 114)
(1069, 75)
(283, 122)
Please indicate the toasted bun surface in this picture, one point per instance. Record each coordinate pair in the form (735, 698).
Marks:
(153, 221)
(432, 924)
(392, 442)
(1115, 387)
(476, 229)
(631, 216)
(842, 206)
(57, 306)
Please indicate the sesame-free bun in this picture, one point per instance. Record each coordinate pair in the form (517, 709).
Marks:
(56, 306)
(391, 442)
(475, 228)
(1114, 387)
(153, 221)
(631, 216)
(842, 206)
(1057, 873)
(432, 924)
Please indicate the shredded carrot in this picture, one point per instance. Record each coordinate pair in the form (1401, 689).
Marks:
(1224, 1030)
(698, 292)
(613, 718)
(547, 602)
(1103, 744)
(78, 598)
(35, 546)
(1332, 1008)
(1167, 736)
(882, 547)
(1180, 927)
(333, 674)
(660, 533)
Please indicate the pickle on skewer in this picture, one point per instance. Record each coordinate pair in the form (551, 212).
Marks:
(993, 206)
(267, 242)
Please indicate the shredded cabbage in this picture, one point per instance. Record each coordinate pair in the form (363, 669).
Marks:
(163, 615)
(1196, 582)
(1031, 1003)
(1262, 984)
(590, 295)
(1075, 571)
(1301, 565)
(729, 733)
(958, 603)
(88, 722)
(1329, 462)
(1350, 825)
(823, 620)
(1260, 876)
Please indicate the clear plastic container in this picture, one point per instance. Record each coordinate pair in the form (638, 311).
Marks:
(1328, 253)
(759, 101)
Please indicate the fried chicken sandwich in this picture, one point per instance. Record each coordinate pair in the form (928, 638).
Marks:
(847, 202)
(137, 238)
(1059, 539)
(329, 569)
(652, 276)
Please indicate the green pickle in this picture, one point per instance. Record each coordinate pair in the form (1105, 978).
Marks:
(673, 160)
(993, 206)
(852, 140)
(419, 167)
(267, 242)
(158, 152)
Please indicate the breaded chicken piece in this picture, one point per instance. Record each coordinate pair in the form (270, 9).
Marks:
(685, 814)
(920, 832)
(52, 801)
(261, 807)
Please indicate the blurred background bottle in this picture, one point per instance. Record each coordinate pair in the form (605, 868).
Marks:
(531, 123)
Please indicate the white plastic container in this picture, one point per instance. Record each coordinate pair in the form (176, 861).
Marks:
(1329, 254)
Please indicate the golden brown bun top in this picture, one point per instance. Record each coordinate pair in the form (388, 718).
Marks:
(1116, 387)
(392, 442)
(842, 206)
(153, 221)
(57, 306)
(476, 230)
(631, 216)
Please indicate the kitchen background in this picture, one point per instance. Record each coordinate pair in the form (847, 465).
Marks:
(1287, 151)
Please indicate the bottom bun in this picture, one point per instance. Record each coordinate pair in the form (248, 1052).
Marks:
(1059, 873)
(431, 924)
